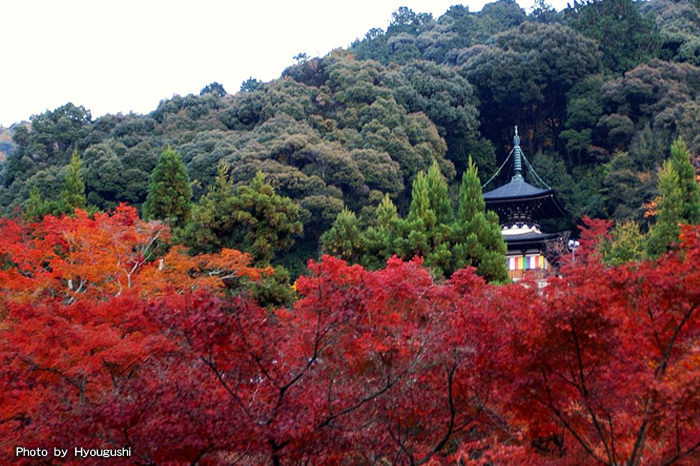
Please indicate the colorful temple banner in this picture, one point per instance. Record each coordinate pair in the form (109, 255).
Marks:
(527, 263)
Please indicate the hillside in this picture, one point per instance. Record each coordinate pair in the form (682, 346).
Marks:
(598, 91)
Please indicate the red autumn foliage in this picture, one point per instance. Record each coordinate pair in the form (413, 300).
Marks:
(602, 366)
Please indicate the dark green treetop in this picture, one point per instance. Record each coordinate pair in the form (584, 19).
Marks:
(447, 242)
(679, 200)
(170, 192)
(269, 222)
(73, 194)
(252, 218)
(477, 234)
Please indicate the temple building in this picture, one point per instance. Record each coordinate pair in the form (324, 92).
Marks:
(520, 206)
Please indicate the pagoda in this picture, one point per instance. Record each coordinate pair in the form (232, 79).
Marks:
(519, 206)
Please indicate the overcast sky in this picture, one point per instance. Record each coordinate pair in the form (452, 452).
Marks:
(122, 56)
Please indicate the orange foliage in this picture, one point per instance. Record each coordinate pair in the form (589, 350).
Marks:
(84, 257)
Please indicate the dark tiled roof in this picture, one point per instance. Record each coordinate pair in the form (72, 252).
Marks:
(519, 200)
(516, 189)
(530, 236)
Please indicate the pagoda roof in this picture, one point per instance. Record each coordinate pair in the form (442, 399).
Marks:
(529, 237)
(520, 201)
(530, 240)
(516, 189)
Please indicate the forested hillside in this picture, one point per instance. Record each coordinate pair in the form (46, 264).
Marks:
(599, 92)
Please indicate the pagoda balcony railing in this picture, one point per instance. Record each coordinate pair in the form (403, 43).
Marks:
(537, 274)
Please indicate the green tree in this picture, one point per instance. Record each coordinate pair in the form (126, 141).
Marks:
(626, 37)
(345, 239)
(690, 192)
(213, 88)
(670, 210)
(381, 239)
(212, 225)
(269, 222)
(252, 218)
(523, 76)
(678, 202)
(73, 194)
(38, 206)
(427, 229)
(478, 240)
(53, 136)
(447, 242)
(626, 244)
(170, 192)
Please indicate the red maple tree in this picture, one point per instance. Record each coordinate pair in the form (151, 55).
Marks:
(146, 350)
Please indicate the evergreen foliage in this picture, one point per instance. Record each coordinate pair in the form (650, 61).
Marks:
(626, 244)
(599, 91)
(670, 211)
(478, 240)
(169, 193)
(212, 226)
(447, 242)
(687, 182)
(626, 36)
(679, 200)
(269, 222)
(73, 194)
(345, 239)
(252, 218)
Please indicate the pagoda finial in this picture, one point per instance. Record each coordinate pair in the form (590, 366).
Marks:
(517, 157)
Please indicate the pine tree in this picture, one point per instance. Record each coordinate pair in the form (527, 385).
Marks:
(73, 194)
(380, 241)
(345, 239)
(269, 221)
(471, 199)
(690, 192)
(478, 240)
(678, 201)
(252, 218)
(413, 232)
(671, 207)
(212, 226)
(427, 229)
(439, 196)
(170, 192)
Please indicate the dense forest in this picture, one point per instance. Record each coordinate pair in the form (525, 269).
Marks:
(304, 272)
(599, 92)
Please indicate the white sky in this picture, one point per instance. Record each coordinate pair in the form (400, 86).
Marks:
(122, 56)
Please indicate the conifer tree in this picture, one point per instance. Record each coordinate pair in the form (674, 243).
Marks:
(252, 218)
(626, 244)
(345, 239)
(170, 192)
(427, 229)
(212, 224)
(670, 211)
(478, 240)
(439, 196)
(690, 192)
(430, 230)
(73, 194)
(380, 241)
(269, 222)
(678, 201)
(413, 231)
(36, 206)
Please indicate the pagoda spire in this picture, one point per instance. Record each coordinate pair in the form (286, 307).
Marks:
(517, 157)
